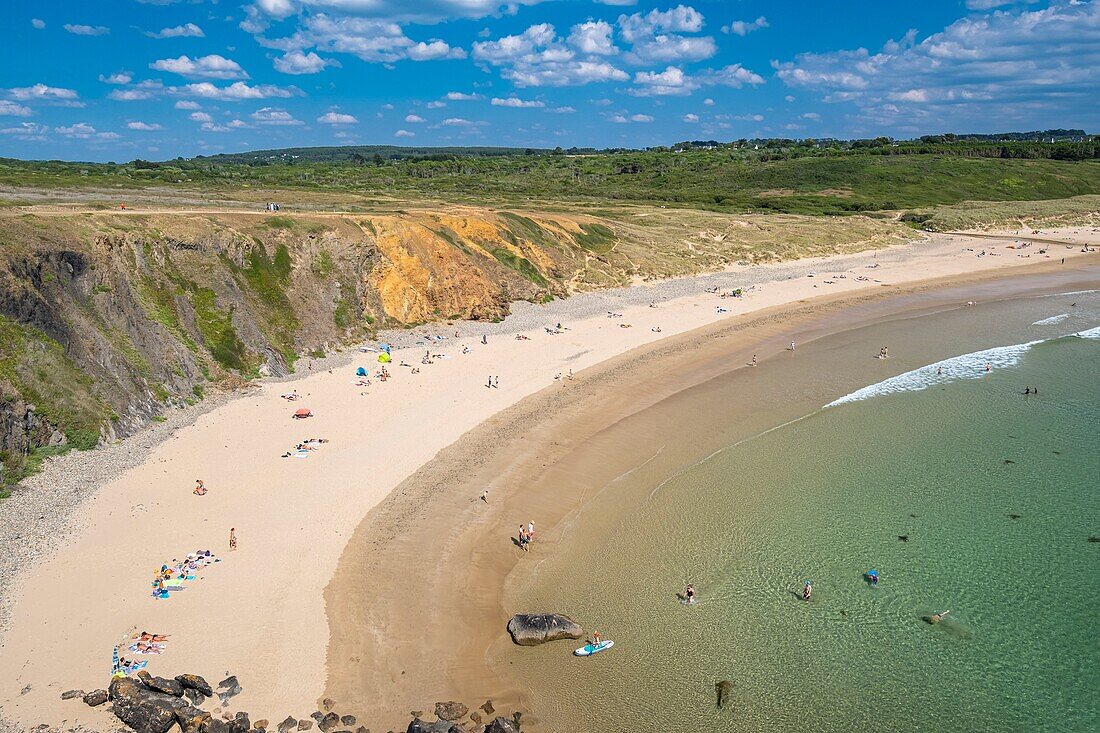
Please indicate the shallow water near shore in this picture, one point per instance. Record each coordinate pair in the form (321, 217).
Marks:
(963, 493)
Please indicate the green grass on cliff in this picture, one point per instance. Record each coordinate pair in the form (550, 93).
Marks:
(521, 265)
(38, 369)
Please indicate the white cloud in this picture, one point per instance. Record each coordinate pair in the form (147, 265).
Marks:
(144, 126)
(436, 104)
(415, 119)
(690, 118)
(213, 127)
(404, 133)
(593, 38)
(1023, 69)
(235, 91)
(43, 93)
(671, 47)
(402, 11)
(743, 28)
(84, 131)
(811, 116)
(463, 97)
(670, 82)
(11, 109)
(122, 77)
(562, 110)
(537, 57)
(379, 41)
(626, 119)
(188, 30)
(186, 104)
(29, 131)
(337, 118)
(457, 122)
(434, 50)
(734, 75)
(200, 117)
(990, 4)
(205, 67)
(517, 103)
(87, 30)
(641, 118)
(129, 95)
(38, 23)
(681, 19)
(274, 116)
(708, 102)
(296, 62)
(237, 124)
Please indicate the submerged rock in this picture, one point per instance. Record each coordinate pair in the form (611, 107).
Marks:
(723, 691)
(531, 629)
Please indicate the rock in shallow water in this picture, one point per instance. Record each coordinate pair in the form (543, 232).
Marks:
(531, 629)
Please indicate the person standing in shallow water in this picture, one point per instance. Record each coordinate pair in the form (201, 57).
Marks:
(807, 591)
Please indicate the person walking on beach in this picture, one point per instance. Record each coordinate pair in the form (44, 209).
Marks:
(531, 531)
(496, 382)
(754, 359)
(524, 540)
(792, 346)
(232, 538)
(489, 384)
(485, 496)
(484, 339)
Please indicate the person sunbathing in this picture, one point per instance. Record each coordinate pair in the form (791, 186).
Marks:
(200, 488)
(146, 636)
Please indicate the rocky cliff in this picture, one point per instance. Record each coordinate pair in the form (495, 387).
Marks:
(107, 318)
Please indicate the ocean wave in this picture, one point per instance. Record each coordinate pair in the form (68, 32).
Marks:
(966, 366)
(1092, 333)
(1052, 320)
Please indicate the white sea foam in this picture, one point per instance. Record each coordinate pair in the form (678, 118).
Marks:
(966, 366)
(1092, 333)
(1052, 320)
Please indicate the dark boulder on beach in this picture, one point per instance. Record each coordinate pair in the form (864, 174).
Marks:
(215, 726)
(289, 724)
(440, 726)
(196, 683)
(305, 724)
(70, 694)
(501, 725)
(95, 698)
(347, 720)
(328, 723)
(160, 684)
(141, 709)
(227, 688)
(450, 710)
(531, 629)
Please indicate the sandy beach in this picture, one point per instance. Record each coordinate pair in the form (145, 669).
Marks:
(360, 572)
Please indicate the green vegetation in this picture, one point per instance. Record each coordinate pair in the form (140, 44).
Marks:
(521, 265)
(787, 176)
(322, 264)
(596, 238)
(218, 333)
(268, 278)
(37, 367)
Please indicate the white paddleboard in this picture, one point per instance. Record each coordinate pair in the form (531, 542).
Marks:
(589, 649)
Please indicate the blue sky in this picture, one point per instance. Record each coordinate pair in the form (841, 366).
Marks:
(123, 79)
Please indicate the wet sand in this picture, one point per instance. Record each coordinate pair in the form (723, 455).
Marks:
(417, 607)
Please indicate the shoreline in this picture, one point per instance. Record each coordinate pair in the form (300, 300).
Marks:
(94, 521)
(457, 548)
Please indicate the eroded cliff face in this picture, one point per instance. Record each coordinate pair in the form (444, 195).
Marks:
(106, 318)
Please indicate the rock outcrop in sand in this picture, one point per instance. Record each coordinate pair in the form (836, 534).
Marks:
(532, 629)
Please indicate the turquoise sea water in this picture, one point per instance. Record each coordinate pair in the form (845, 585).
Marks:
(996, 495)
